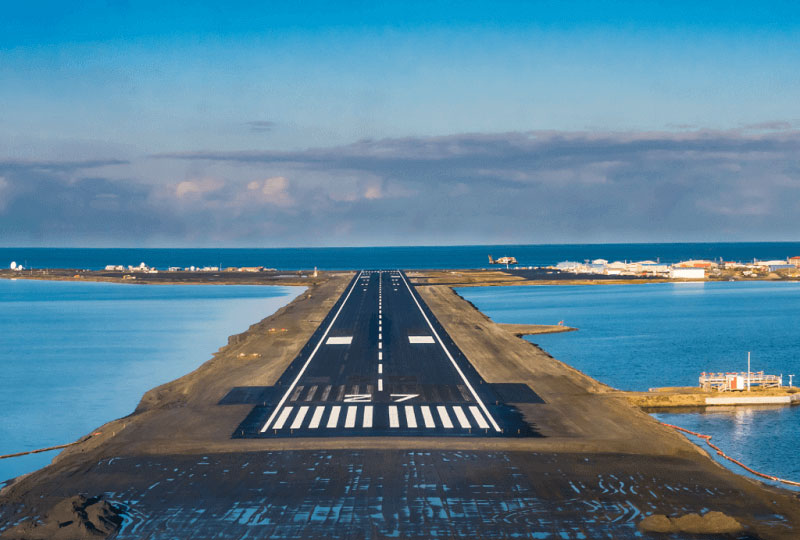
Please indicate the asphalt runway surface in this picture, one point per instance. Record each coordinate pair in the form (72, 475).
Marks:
(381, 364)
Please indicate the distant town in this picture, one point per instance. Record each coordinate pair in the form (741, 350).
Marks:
(691, 269)
(695, 269)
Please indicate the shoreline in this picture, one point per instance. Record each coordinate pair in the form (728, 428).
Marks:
(579, 416)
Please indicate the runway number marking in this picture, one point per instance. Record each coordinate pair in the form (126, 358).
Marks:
(403, 397)
(357, 398)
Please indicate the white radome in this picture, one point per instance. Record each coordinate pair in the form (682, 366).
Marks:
(13, 265)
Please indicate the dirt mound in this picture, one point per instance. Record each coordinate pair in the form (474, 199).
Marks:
(75, 518)
(709, 523)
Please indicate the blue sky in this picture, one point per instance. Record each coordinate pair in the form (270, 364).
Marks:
(167, 120)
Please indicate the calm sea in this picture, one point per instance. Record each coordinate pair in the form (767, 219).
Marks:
(76, 355)
(391, 257)
(634, 337)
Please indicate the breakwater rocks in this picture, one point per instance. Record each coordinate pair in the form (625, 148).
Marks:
(74, 518)
(708, 523)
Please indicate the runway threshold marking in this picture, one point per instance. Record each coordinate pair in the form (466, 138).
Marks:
(298, 420)
(317, 418)
(333, 419)
(310, 357)
(453, 361)
(411, 418)
(441, 416)
(350, 420)
(282, 418)
(427, 417)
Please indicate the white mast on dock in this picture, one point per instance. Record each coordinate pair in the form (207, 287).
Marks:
(748, 371)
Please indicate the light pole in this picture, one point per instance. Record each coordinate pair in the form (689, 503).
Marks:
(748, 371)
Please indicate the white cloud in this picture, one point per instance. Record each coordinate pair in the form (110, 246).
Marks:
(274, 190)
(197, 187)
(373, 192)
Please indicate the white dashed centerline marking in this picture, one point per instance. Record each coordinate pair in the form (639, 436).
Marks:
(380, 385)
(380, 369)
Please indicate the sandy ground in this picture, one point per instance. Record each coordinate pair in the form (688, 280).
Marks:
(589, 430)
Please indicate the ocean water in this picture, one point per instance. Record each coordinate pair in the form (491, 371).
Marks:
(634, 337)
(76, 355)
(391, 257)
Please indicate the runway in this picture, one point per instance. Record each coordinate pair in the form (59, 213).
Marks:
(381, 364)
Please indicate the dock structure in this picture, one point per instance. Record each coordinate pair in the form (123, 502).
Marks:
(730, 381)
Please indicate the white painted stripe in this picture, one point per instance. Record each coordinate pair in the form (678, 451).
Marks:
(380, 345)
(367, 422)
(442, 410)
(450, 356)
(380, 335)
(380, 385)
(380, 369)
(340, 340)
(394, 421)
(310, 357)
(427, 416)
(478, 417)
(282, 418)
(317, 418)
(350, 420)
(298, 420)
(380, 356)
(462, 418)
(333, 419)
(420, 339)
(411, 418)
(380, 328)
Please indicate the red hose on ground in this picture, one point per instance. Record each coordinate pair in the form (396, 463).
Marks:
(707, 438)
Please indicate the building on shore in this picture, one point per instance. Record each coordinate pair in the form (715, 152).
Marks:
(680, 272)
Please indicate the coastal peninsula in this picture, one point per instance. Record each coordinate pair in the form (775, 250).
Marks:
(599, 466)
